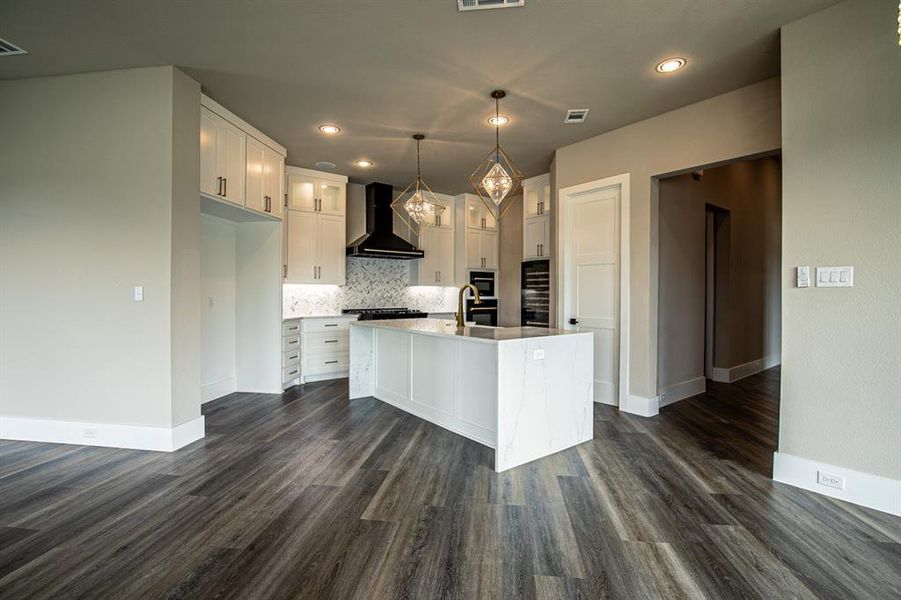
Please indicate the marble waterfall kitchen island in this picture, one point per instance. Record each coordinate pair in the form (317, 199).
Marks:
(526, 392)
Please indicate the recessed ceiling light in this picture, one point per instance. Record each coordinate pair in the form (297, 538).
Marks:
(670, 64)
(324, 164)
(498, 121)
(329, 129)
(363, 164)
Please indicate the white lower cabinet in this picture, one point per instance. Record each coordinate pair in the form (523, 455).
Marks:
(315, 349)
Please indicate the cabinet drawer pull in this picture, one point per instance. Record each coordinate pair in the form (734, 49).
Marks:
(331, 362)
(331, 341)
(292, 372)
(293, 356)
(294, 328)
(330, 325)
(292, 342)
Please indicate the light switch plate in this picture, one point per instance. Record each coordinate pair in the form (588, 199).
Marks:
(803, 277)
(139, 293)
(538, 354)
(835, 276)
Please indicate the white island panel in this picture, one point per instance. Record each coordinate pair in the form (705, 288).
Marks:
(545, 397)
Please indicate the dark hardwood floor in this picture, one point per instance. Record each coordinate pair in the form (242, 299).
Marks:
(307, 495)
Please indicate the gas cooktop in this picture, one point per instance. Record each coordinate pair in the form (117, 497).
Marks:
(373, 314)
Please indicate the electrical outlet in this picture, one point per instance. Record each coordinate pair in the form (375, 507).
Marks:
(538, 354)
(89, 433)
(139, 293)
(830, 480)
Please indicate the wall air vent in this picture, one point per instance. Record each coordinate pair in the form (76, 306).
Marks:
(576, 115)
(9, 49)
(483, 4)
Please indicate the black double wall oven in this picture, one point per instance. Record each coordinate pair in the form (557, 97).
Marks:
(486, 312)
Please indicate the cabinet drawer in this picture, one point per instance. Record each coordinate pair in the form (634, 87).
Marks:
(314, 325)
(292, 372)
(290, 328)
(326, 341)
(328, 362)
(290, 358)
(291, 342)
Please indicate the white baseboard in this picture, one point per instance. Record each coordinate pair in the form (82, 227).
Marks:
(641, 406)
(865, 489)
(682, 390)
(217, 389)
(724, 375)
(136, 437)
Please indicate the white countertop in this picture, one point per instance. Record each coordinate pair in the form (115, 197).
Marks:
(448, 328)
(352, 317)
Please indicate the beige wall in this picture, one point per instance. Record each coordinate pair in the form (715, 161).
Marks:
(510, 263)
(750, 191)
(841, 352)
(92, 188)
(740, 123)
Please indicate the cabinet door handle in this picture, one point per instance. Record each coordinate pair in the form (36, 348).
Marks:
(219, 186)
(225, 186)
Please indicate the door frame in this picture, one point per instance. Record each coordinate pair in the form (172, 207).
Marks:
(563, 232)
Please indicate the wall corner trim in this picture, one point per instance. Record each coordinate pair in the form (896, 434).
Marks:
(109, 435)
(864, 489)
(641, 406)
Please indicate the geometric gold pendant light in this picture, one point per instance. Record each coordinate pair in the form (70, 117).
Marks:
(497, 181)
(417, 205)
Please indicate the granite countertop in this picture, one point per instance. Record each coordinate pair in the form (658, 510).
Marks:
(448, 328)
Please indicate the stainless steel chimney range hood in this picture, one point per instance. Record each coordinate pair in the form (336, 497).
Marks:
(380, 241)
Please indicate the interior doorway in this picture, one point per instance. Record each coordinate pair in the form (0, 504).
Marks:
(719, 275)
(716, 288)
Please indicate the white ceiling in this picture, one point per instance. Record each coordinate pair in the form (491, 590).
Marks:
(385, 69)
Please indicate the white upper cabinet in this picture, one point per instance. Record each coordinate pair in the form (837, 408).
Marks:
(255, 196)
(314, 192)
(222, 156)
(481, 249)
(437, 242)
(265, 174)
(477, 214)
(332, 249)
(316, 236)
(210, 179)
(536, 196)
(536, 226)
(273, 181)
(238, 163)
(536, 237)
(437, 266)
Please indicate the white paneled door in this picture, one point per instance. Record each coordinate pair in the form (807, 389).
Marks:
(591, 263)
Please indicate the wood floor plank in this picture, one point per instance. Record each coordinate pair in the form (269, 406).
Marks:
(309, 495)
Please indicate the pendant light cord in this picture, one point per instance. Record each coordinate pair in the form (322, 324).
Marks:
(418, 170)
(497, 127)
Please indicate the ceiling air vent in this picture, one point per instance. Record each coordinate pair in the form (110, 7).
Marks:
(576, 115)
(8, 49)
(483, 4)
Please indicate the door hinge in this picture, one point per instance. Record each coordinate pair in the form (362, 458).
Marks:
(285, 271)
